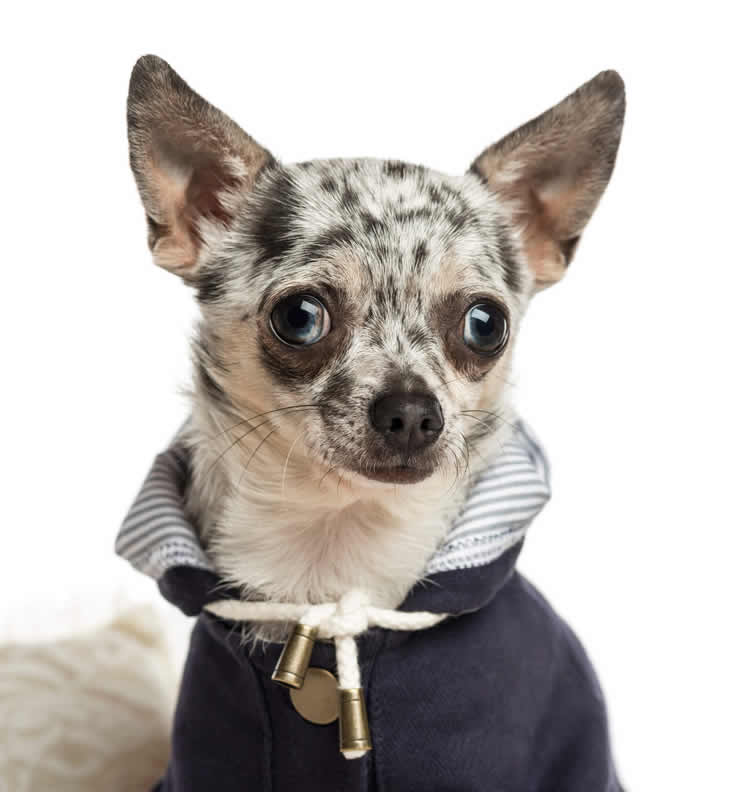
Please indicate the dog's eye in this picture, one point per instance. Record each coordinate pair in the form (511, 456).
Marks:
(485, 328)
(300, 320)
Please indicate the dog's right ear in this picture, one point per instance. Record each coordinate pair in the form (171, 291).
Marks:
(191, 164)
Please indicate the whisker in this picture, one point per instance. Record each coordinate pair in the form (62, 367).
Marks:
(333, 467)
(466, 451)
(474, 418)
(495, 416)
(286, 461)
(267, 412)
(233, 426)
(456, 469)
(257, 426)
(257, 448)
(234, 443)
(446, 383)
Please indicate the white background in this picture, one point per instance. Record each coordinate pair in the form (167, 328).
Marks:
(633, 371)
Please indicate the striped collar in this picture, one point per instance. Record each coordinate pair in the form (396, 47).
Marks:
(157, 538)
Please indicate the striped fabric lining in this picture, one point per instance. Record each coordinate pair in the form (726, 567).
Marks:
(156, 534)
(501, 504)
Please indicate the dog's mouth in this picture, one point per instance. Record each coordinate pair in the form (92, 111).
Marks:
(396, 474)
(377, 465)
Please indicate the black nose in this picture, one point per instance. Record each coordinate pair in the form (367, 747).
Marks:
(408, 421)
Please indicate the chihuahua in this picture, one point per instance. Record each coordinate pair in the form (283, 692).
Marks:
(353, 355)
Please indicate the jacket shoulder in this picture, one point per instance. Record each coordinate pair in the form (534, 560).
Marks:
(571, 744)
(553, 634)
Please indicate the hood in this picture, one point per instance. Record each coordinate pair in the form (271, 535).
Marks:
(474, 560)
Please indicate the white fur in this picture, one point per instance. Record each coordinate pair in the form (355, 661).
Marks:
(291, 532)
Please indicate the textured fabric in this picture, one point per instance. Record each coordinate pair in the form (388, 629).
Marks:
(499, 696)
(156, 536)
(88, 713)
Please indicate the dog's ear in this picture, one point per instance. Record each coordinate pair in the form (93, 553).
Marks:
(552, 171)
(190, 161)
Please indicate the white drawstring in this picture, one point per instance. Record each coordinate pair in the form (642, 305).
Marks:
(342, 621)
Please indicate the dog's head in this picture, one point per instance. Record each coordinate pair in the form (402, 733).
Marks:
(365, 310)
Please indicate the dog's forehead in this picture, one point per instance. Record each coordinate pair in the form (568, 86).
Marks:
(368, 224)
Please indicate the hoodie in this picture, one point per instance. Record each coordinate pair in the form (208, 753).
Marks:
(497, 694)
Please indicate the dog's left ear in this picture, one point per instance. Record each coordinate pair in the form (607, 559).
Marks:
(191, 164)
(552, 171)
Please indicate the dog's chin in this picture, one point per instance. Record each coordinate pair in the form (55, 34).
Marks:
(390, 471)
(396, 474)
(380, 469)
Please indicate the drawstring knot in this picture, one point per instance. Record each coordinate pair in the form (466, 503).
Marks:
(341, 621)
(349, 618)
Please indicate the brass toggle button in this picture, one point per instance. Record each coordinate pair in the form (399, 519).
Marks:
(354, 729)
(317, 701)
(295, 657)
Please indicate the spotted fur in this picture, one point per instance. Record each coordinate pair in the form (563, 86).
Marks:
(283, 445)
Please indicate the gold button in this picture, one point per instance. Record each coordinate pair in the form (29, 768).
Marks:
(317, 701)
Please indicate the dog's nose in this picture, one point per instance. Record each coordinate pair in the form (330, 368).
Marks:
(408, 421)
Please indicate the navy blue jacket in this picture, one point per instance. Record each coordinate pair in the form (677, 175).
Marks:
(500, 696)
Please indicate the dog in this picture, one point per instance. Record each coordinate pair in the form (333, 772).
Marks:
(351, 396)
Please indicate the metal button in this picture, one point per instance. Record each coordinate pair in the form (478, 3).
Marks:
(317, 701)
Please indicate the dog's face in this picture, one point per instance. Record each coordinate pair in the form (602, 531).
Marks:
(382, 293)
(363, 310)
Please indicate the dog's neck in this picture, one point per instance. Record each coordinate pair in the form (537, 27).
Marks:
(286, 529)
